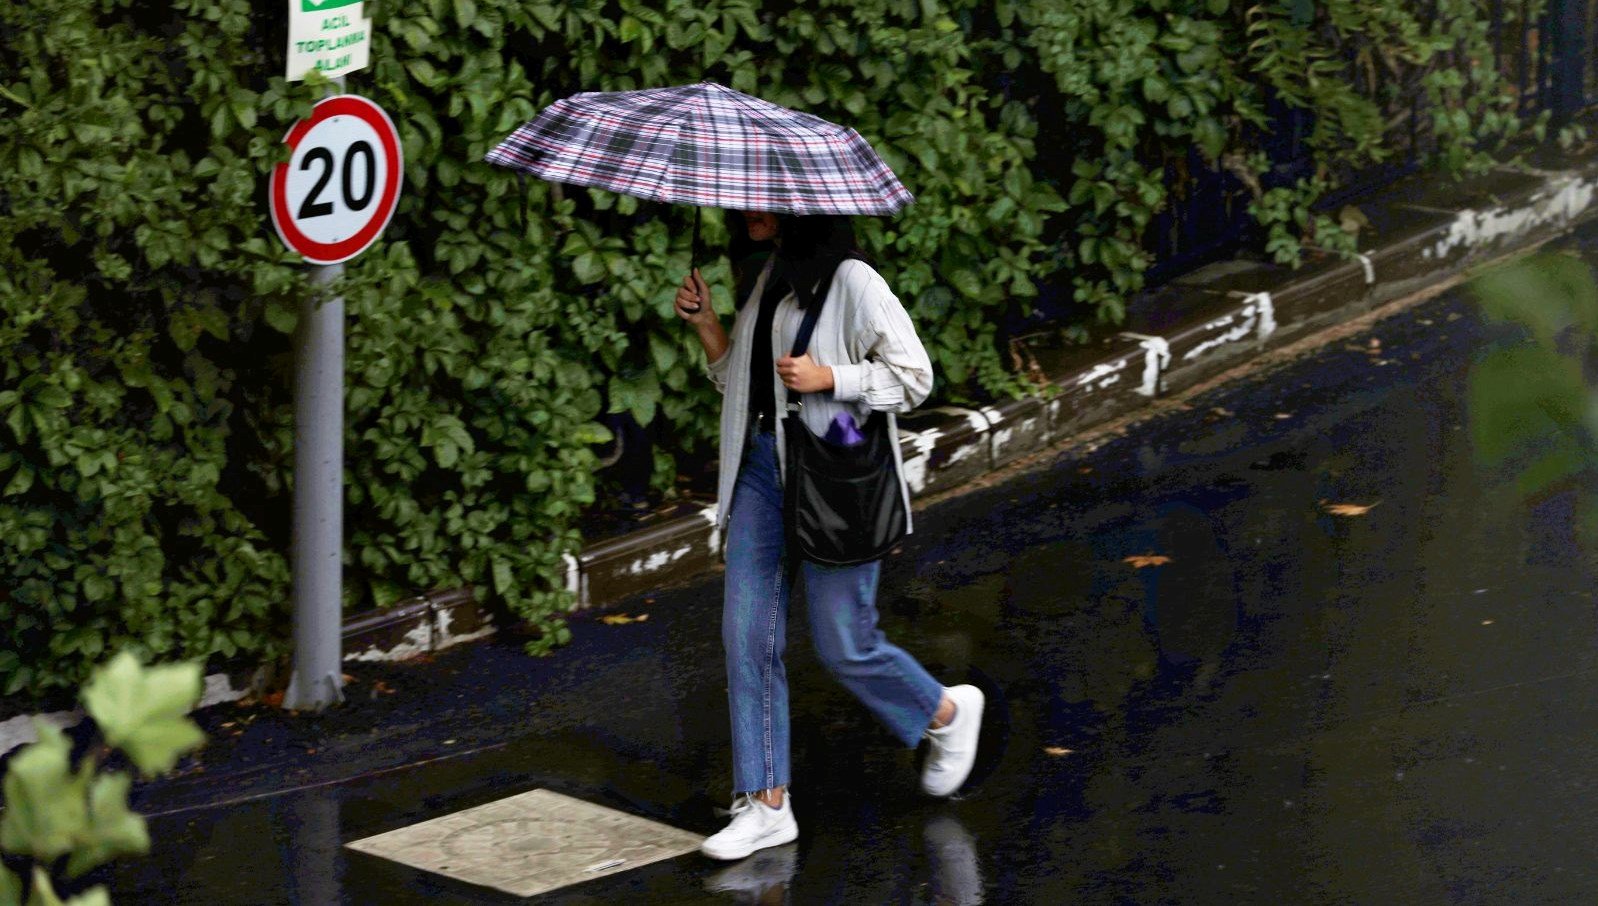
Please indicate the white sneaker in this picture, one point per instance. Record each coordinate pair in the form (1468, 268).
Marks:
(755, 825)
(954, 746)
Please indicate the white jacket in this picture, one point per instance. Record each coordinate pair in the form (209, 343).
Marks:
(865, 336)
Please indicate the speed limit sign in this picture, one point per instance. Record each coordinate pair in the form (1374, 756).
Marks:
(341, 183)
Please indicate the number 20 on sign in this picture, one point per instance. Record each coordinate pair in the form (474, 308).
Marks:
(340, 186)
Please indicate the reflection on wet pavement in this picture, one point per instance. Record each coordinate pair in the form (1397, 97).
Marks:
(1297, 707)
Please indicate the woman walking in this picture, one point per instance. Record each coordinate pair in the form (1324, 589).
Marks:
(865, 361)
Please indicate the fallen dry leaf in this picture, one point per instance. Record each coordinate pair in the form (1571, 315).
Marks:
(1487, 622)
(1056, 751)
(1284, 415)
(618, 619)
(381, 688)
(1139, 561)
(1223, 412)
(1347, 509)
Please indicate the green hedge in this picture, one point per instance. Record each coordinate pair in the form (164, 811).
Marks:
(145, 448)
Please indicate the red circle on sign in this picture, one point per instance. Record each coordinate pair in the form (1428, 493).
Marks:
(388, 198)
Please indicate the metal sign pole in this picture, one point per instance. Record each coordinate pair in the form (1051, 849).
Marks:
(318, 546)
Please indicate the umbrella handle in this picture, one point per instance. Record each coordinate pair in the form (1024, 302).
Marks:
(694, 252)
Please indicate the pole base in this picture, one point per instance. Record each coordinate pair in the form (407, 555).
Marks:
(314, 695)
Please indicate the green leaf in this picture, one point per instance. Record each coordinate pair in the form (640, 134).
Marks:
(94, 896)
(588, 267)
(1550, 470)
(113, 829)
(664, 353)
(504, 582)
(142, 710)
(19, 483)
(44, 893)
(53, 396)
(10, 888)
(46, 805)
(639, 396)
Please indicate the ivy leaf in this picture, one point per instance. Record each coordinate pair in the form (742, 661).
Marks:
(142, 711)
(113, 829)
(10, 888)
(588, 267)
(639, 396)
(46, 809)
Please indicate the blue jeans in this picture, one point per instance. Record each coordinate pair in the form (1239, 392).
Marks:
(843, 623)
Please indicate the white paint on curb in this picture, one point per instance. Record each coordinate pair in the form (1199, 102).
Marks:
(1002, 437)
(443, 638)
(1245, 329)
(915, 465)
(1565, 198)
(573, 572)
(964, 452)
(710, 515)
(1103, 375)
(218, 689)
(19, 731)
(1370, 269)
(418, 641)
(1156, 357)
(1258, 318)
(1260, 304)
(975, 420)
(658, 560)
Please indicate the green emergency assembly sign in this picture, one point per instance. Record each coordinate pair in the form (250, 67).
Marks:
(332, 37)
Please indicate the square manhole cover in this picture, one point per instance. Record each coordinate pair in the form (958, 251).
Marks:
(531, 843)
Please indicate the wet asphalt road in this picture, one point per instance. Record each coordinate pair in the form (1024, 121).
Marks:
(1298, 708)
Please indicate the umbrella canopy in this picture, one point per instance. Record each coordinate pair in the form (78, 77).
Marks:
(704, 145)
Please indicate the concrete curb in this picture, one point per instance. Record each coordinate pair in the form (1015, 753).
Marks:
(419, 625)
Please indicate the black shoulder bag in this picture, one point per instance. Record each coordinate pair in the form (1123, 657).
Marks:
(842, 505)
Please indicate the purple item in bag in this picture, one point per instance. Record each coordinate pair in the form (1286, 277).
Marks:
(843, 431)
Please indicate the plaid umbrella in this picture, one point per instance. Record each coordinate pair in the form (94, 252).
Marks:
(704, 145)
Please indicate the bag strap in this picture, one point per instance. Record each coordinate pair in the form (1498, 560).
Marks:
(807, 327)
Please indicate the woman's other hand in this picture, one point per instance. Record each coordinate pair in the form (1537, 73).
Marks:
(803, 375)
(693, 300)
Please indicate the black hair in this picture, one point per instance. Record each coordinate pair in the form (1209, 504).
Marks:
(812, 247)
(747, 256)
